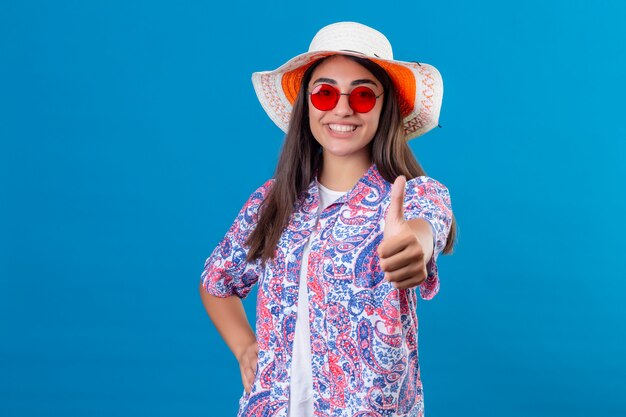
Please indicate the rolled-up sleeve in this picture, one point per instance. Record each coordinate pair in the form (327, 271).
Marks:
(428, 199)
(226, 271)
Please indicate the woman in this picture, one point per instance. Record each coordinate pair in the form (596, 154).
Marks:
(339, 240)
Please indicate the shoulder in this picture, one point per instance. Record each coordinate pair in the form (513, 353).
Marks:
(258, 195)
(265, 187)
(424, 180)
(425, 192)
(417, 186)
(251, 208)
(426, 186)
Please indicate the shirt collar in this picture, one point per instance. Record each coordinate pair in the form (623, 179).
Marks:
(370, 181)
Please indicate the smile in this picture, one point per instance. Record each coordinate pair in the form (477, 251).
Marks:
(342, 128)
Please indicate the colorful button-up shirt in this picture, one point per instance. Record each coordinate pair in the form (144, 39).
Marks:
(363, 330)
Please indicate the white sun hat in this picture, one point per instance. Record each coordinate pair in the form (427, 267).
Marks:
(419, 86)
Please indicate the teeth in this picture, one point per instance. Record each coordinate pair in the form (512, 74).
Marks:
(342, 128)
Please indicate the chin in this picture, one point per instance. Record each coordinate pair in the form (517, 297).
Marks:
(343, 151)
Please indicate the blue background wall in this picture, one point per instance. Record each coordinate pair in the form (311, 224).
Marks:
(131, 136)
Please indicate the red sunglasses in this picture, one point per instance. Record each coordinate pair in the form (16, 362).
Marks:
(325, 97)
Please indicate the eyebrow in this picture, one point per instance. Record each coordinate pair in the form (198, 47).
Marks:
(355, 82)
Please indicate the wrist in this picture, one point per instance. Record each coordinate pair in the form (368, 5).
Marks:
(240, 349)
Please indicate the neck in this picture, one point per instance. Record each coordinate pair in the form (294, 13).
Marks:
(341, 174)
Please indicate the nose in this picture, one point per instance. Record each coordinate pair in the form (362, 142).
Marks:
(343, 106)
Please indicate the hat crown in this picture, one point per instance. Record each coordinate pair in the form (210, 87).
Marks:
(352, 37)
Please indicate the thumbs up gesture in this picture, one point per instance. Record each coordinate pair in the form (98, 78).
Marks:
(401, 253)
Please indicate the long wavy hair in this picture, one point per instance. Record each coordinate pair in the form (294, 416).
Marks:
(301, 155)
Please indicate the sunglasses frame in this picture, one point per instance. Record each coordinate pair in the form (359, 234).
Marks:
(339, 94)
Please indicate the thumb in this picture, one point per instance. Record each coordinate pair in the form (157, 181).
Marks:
(395, 214)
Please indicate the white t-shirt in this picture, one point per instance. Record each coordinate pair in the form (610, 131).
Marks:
(301, 391)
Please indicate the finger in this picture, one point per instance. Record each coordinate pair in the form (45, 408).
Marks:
(413, 270)
(250, 371)
(395, 212)
(399, 260)
(407, 283)
(244, 381)
(255, 362)
(396, 244)
(250, 378)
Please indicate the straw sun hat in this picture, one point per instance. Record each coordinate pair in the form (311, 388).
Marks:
(419, 85)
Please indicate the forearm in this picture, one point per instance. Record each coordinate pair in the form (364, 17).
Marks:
(229, 317)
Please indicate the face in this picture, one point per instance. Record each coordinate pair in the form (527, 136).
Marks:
(342, 131)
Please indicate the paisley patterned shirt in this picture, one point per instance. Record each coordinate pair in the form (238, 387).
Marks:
(363, 330)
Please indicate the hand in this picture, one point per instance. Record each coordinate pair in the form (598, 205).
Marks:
(248, 360)
(401, 252)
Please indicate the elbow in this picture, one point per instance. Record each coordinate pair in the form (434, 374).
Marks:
(205, 297)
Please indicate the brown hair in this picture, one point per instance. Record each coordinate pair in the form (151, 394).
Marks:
(301, 156)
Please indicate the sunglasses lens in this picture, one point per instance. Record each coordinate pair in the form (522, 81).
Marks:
(362, 99)
(324, 97)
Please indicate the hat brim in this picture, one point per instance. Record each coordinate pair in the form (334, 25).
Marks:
(419, 89)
